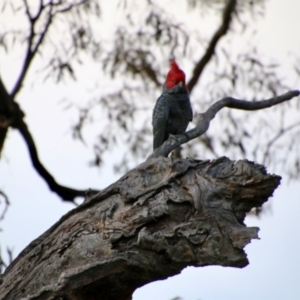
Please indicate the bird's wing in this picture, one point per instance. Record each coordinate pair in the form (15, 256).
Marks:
(190, 112)
(159, 121)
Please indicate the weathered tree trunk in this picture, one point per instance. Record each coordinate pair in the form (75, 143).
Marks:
(159, 218)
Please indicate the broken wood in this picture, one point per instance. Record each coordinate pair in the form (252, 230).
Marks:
(156, 220)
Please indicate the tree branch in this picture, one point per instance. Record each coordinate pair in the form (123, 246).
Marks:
(156, 220)
(6, 203)
(32, 50)
(40, 10)
(66, 193)
(222, 30)
(204, 119)
(278, 135)
(10, 111)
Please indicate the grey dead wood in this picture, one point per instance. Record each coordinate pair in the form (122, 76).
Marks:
(159, 218)
(162, 216)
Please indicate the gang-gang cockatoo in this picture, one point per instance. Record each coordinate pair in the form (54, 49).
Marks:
(172, 111)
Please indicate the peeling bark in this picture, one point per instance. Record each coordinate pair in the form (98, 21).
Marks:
(156, 220)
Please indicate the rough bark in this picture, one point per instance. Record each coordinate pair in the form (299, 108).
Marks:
(159, 218)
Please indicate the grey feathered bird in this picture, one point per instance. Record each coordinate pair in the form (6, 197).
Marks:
(172, 112)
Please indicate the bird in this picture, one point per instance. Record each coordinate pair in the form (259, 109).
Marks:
(172, 112)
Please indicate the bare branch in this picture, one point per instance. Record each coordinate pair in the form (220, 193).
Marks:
(42, 36)
(27, 10)
(279, 134)
(3, 264)
(69, 7)
(10, 255)
(11, 110)
(33, 47)
(6, 113)
(40, 10)
(6, 204)
(66, 193)
(32, 50)
(222, 30)
(204, 119)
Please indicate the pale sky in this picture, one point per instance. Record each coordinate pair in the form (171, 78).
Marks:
(274, 270)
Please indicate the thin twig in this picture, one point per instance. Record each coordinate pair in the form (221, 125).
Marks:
(222, 30)
(276, 137)
(6, 204)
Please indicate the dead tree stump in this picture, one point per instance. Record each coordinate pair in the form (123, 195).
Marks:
(156, 220)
